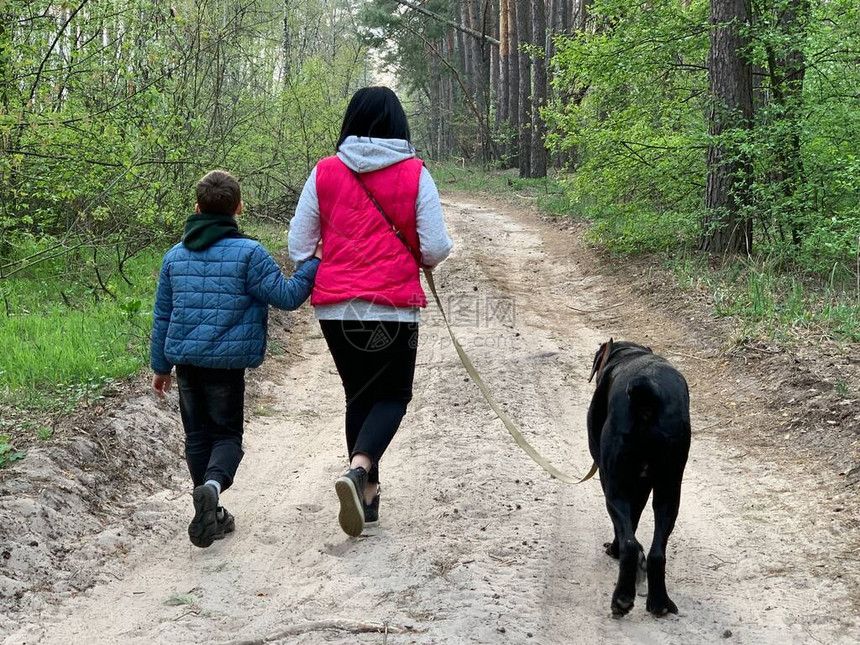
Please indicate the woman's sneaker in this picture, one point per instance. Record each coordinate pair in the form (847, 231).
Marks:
(371, 511)
(226, 523)
(204, 526)
(350, 492)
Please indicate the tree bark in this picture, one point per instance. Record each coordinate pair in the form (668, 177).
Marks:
(495, 66)
(468, 48)
(725, 228)
(448, 121)
(504, 89)
(557, 25)
(481, 69)
(787, 70)
(524, 104)
(513, 85)
(538, 149)
(435, 106)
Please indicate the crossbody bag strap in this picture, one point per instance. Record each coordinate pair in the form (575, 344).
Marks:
(415, 255)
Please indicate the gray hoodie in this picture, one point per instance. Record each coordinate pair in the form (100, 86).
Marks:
(366, 155)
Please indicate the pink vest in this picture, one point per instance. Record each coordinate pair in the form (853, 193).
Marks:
(362, 257)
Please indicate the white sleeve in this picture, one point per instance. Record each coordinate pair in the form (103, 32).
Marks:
(436, 245)
(305, 225)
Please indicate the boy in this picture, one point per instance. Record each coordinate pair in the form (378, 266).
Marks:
(211, 312)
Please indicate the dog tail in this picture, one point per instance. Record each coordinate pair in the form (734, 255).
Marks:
(644, 398)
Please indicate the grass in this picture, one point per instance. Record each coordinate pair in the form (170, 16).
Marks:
(771, 299)
(772, 303)
(65, 339)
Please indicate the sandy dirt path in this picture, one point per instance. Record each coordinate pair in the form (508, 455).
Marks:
(477, 544)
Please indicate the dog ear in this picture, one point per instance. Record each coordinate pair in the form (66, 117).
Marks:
(600, 358)
(595, 364)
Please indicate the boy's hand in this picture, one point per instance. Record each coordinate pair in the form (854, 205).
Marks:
(318, 251)
(161, 384)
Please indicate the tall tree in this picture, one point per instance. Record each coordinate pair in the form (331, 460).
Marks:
(725, 226)
(786, 64)
(524, 102)
(495, 61)
(504, 91)
(514, 85)
(538, 149)
(477, 16)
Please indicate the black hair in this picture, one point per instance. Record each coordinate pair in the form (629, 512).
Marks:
(218, 193)
(374, 112)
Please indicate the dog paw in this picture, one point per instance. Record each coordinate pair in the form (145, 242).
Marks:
(611, 548)
(621, 605)
(661, 606)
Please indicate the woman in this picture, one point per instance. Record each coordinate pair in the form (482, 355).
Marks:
(376, 211)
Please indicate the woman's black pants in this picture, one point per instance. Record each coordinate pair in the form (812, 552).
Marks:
(376, 363)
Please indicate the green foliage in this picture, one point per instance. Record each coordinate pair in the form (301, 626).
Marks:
(104, 134)
(631, 110)
(109, 114)
(637, 133)
(805, 195)
(8, 454)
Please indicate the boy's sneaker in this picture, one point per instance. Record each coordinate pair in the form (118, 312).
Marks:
(371, 511)
(226, 523)
(204, 526)
(350, 492)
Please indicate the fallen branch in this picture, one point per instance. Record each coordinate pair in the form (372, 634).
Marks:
(351, 626)
(698, 358)
(447, 21)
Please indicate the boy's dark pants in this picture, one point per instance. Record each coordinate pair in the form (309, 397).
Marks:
(212, 405)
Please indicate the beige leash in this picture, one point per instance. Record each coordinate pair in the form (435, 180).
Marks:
(515, 432)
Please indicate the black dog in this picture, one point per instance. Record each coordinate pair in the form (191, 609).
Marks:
(639, 436)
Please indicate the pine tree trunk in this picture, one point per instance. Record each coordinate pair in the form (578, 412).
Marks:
(481, 71)
(468, 48)
(504, 61)
(725, 228)
(451, 94)
(457, 94)
(513, 85)
(538, 161)
(495, 65)
(435, 106)
(524, 106)
(557, 25)
(787, 71)
(579, 15)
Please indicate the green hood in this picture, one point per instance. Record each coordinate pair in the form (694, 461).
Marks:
(202, 230)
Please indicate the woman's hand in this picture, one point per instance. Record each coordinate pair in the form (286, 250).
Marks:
(318, 251)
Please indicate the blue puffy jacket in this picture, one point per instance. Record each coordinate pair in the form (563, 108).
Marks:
(212, 306)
